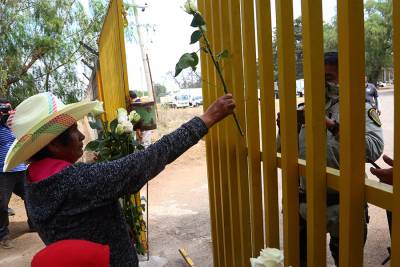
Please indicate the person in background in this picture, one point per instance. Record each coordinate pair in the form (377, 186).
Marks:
(70, 200)
(373, 148)
(384, 175)
(11, 181)
(133, 97)
(372, 97)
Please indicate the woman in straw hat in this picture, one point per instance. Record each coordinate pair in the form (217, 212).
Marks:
(68, 200)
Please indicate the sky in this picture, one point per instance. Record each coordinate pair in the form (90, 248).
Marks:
(169, 35)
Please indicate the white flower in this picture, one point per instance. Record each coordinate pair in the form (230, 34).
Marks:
(190, 7)
(127, 126)
(269, 257)
(120, 129)
(134, 116)
(122, 115)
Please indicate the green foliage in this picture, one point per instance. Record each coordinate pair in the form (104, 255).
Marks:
(330, 36)
(112, 145)
(378, 39)
(134, 213)
(196, 35)
(197, 21)
(39, 46)
(187, 60)
(223, 55)
(160, 91)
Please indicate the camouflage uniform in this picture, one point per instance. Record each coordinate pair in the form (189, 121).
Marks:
(374, 148)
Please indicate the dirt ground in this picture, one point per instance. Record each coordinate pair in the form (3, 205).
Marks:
(179, 207)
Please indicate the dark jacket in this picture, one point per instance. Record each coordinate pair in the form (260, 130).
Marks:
(81, 201)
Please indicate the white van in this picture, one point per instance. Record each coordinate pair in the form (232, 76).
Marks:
(181, 101)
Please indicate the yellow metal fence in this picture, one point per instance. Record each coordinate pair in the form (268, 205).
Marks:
(242, 172)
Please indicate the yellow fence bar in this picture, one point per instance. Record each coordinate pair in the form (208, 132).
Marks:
(210, 78)
(205, 65)
(396, 183)
(230, 137)
(314, 79)
(287, 83)
(352, 131)
(376, 193)
(252, 123)
(267, 105)
(216, 42)
(235, 185)
(241, 149)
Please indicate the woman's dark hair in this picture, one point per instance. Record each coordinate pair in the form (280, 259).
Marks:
(63, 139)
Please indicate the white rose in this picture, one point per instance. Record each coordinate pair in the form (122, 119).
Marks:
(269, 257)
(122, 115)
(119, 129)
(127, 126)
(190, 7)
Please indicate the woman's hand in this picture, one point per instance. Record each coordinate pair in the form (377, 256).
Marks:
(384, 175)
(218, 110)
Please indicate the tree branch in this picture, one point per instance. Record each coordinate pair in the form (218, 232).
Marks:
(35, 56)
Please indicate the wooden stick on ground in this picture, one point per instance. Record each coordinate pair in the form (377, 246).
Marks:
(186, 257)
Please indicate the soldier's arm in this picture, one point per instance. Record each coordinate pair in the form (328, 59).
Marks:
(373, 136)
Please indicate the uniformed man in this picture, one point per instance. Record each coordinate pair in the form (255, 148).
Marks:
(371, 95)
(374, 148)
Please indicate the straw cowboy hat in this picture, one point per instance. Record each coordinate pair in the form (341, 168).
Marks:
(38, 120)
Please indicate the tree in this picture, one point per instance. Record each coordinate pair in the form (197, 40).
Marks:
(378, 37)
(187, 79)
(160, 90)
(330, 36)
(40, 45)
(298, 39)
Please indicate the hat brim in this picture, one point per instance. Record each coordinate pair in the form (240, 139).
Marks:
(47, 130)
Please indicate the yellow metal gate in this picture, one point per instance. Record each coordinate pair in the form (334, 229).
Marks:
(242, 172)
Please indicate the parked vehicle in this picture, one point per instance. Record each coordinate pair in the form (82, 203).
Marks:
(299, 88)
(382, 84)
(196, 101)
(181, 101)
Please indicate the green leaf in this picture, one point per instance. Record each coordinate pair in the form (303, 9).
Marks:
(92, 146)
(178, 69)
(196, 35)
(195, 59)
(223, 55)
(184, 62)
(113, 125)
(197, 21)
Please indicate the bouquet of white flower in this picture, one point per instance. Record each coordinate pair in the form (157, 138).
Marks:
(116, 140)
(269, 257)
